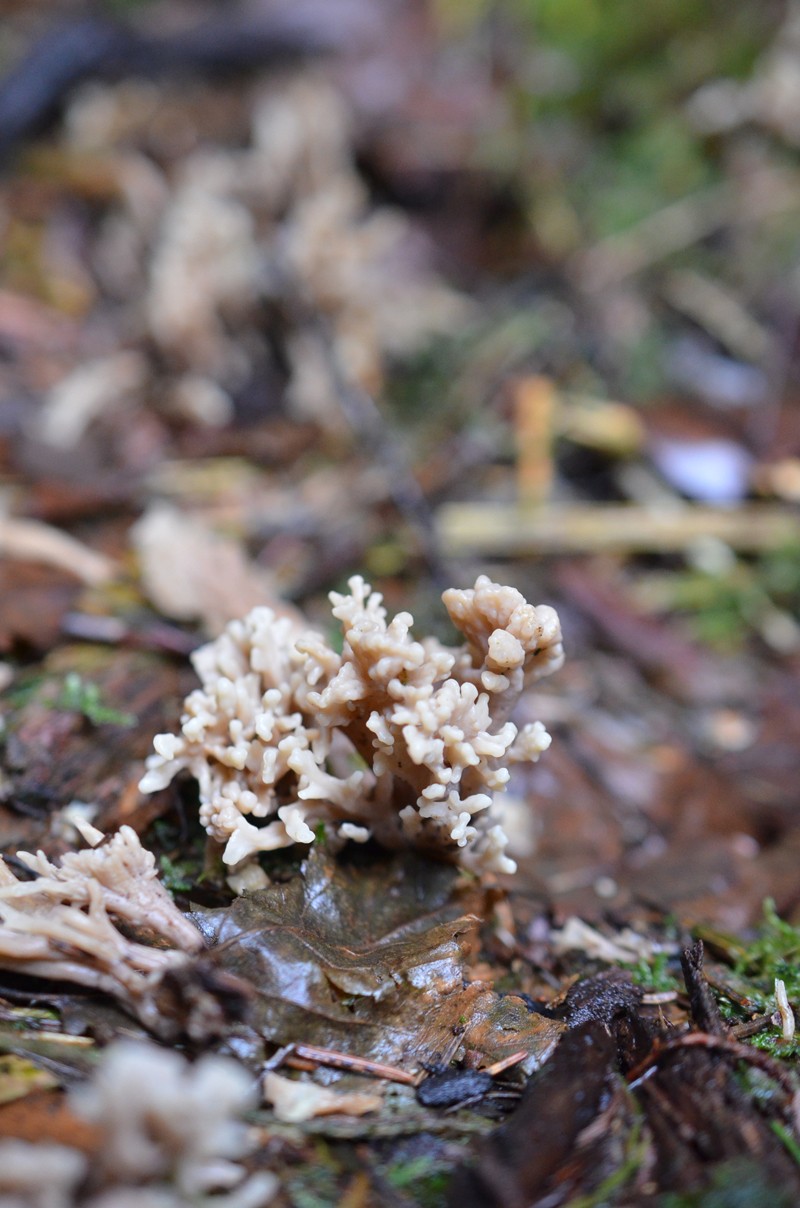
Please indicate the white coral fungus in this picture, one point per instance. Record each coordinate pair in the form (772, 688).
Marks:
(170, 1135)
(38, 1176)
(277, 731)
(164, 1119)
(62, 924)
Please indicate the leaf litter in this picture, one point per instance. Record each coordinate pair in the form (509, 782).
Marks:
(368, 958)
(673, 784)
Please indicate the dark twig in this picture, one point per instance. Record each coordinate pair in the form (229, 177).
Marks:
(723, 1044)
(702, 1004)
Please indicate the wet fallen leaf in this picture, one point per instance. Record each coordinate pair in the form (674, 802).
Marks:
(504, 1024)
(367, 957)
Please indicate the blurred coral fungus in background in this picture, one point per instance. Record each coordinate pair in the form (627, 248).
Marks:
(311, 317)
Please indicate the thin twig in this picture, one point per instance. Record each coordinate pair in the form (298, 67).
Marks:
(505, 1064)
(510, 530)
(347, 1061)
(752, 1027)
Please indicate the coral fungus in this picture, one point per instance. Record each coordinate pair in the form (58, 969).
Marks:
(64, 923)
(168, 1134)
(401, 739)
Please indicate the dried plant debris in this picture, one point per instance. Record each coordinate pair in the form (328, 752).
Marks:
(366, 958)
(190, 572)
(65, 923)
(68, 734)
(629, 1105)
(167, 1134)
(294, 1101)
(403, 740)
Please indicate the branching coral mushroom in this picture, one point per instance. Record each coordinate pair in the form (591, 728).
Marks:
(401, 739)
(168, 1134)
(63, 924)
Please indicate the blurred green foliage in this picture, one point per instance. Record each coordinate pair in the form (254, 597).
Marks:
(739, 1183)
(598, 89)
(422, 1180)
(78, 695)
(722, 609)
(774, 953)
(656, 974)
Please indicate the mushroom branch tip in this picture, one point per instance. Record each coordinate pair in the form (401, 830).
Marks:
(407, 741)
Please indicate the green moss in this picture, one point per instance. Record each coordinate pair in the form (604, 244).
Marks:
(78, 695)
(749, 988)
(422, 1180)
(181, 853)
(655, 974)
(774, 1044)
(739, 1183)
(774, 953)
(178, 876)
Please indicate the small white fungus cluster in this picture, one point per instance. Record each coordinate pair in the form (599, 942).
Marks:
(65, 923)
(170, 1135)
(401, 739)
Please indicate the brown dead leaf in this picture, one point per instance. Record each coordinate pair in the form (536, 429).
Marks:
(45, 1115)
(366, 957)
(503, 1024)
(191, 572)
(33, 601)
(295, 1100)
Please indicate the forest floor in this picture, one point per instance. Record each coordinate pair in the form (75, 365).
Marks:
(421, 298)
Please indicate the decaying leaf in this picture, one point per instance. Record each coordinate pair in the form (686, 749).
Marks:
(294, 1101)
(192, 572)
(367, 958)
(504, 1024)
(18, 1077)
(54, 753)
